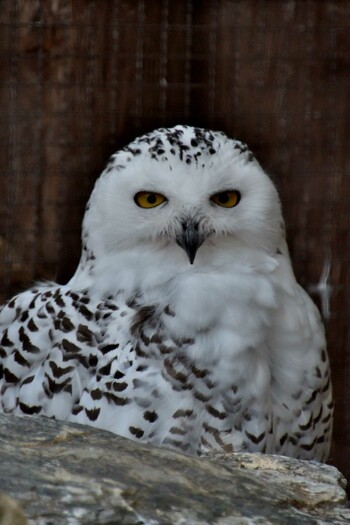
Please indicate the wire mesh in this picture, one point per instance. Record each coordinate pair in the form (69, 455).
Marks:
(81, 78)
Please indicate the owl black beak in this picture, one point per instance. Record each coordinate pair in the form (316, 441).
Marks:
(190, 238)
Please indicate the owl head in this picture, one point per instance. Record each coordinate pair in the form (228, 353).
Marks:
(184, 192)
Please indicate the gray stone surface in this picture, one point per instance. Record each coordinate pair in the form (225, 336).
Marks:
(65, 474)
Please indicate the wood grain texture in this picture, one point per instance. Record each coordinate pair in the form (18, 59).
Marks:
(80, 79)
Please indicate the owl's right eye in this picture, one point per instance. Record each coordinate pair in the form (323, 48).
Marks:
(149, 199)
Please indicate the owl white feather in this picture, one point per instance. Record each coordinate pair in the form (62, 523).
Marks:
(183, 325)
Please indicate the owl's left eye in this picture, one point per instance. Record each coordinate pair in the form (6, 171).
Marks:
(227, 199)
(149, 199)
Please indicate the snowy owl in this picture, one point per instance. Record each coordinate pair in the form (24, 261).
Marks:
(183, 325)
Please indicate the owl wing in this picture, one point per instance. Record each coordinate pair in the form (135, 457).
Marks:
(301, 390)
(52, 343)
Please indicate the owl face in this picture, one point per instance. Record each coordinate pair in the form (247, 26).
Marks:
(184, 189)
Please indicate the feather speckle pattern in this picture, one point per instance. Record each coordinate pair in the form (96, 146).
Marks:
(183, 325)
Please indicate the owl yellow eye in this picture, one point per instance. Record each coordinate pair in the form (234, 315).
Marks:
(149, 199)
(227, 199)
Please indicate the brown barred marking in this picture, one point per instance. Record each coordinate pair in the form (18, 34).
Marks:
(84, 334)
(108, 348)
(67, 325)
(209, 383)
(168, 311)
(175, 443)
(205, 443)
(175, 374)
(137, 432)
(93, 361)
(327, 385)
(93, 413)
(28, 380)
(77, 409)
(150, 416)
(105, 370)
(283, 439)
(3, 352)
(308, 446)
(156, 339)
(119, 387)
(85, 312)
(216, 413)
(54, 386)
(68, 389)
(96, 394)
(9, 376)
(198, 372)
(32, 326)
(29, 410)
(313, 397)
(119, 375)
(318, 372)
(164, 349)
(18, 357)
(178, 431)
(183, 413)
(141, 368)
(327, 418)
(76, 356)
(24, 317)
(26, 343)
(32, 304)
(139, 352)
(58, 300)
(144, 338)
(211, 430)
(323, 355)
(256, 439)
(49, 308)
(41, 314)
(69, 346)
(318, 417)
(59, 371)
(143, 314)
(84, 299)
(202, 397)
(119, 401)
(5, 341)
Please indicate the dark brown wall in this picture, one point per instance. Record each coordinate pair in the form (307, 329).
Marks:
(80, 78)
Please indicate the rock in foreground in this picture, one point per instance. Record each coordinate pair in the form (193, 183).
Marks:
(69, 474)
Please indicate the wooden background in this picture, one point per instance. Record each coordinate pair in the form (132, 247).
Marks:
(80, 78)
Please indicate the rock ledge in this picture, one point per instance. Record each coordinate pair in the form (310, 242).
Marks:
(66, 474)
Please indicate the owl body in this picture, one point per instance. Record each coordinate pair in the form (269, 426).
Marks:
(183, 324)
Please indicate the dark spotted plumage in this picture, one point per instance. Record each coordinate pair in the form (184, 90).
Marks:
(183, 324)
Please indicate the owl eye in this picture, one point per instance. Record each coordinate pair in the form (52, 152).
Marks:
(149, 199)
(226, 199)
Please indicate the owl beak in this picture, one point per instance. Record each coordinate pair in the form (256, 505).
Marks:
(190, 238)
